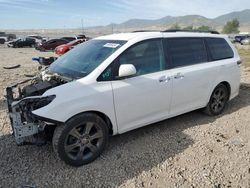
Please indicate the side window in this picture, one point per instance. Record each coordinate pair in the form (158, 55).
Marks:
(219, 49)
(147, 57)
(106, 75)
(186, 51)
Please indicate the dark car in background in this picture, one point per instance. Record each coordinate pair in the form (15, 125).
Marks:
(84, 37)
(51, 44)
(20, 43)
(69, 39)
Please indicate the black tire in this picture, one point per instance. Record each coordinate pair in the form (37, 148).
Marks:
(218, 101)
(85, 136)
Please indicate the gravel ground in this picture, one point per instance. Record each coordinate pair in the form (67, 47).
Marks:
(192, 150)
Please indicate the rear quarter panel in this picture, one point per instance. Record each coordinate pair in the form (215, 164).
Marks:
(229, 71)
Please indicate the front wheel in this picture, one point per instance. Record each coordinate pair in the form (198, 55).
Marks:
(81, 140)
(218, 101)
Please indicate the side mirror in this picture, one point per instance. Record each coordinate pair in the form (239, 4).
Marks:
(127, 70)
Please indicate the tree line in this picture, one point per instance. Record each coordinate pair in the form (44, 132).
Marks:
(231, 27)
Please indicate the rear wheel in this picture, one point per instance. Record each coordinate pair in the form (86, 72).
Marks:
(81, 140)
(218, 100)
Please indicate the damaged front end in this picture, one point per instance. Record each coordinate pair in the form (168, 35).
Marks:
(25, 97)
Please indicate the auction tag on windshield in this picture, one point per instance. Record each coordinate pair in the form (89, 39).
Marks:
(111, 45)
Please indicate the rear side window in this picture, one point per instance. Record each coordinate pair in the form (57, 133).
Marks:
(219, 49)
(186, 51)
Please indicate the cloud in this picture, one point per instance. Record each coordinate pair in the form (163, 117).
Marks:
(22, 2)
(26, 5)
(158, 8)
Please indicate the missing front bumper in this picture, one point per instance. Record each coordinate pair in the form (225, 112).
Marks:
(25, 130)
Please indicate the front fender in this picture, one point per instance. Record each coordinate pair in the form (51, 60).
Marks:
(77, 97)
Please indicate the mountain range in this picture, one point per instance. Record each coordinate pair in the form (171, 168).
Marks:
(184, 21)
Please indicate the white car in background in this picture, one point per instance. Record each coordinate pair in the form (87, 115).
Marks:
(246, 41)
(38, 38)
(3, 40)
(113, 84)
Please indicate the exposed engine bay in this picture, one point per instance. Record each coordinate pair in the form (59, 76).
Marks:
(25, 97)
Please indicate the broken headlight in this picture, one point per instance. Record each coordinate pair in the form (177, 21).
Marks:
(30, 104)
(43, 101)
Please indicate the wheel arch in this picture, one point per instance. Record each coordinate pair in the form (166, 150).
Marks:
(228, 87)
(226, 83)
(102, 115)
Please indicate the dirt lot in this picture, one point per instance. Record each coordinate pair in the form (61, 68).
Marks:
(192, 150)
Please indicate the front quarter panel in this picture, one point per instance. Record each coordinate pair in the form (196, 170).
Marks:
(78, 97)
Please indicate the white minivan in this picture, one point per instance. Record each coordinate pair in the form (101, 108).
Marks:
(117, 83)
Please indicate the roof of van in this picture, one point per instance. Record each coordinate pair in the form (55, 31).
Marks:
(133, 35)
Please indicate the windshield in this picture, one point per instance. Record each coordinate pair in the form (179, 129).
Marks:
(84, 58)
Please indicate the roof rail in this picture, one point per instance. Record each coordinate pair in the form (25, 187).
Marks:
(191, 31)
(139, 31)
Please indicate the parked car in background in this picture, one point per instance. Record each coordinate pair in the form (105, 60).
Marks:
(7, 37)
(69, 39)
(114, 84)
(38, 38)
(51, 44)
(239, 38)
(20, 43)
(245, 41)
(81, 36)
(64, 48)
(3, 40)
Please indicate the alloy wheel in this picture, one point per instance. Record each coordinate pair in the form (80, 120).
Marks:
(219, 99)
(83, 141)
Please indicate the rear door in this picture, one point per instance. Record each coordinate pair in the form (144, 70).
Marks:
(192, 73)
(144, 98)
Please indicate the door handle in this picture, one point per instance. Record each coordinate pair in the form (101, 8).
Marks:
(179, 76)
(164, 79)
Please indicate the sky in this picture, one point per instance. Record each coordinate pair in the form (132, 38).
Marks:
(37, 14)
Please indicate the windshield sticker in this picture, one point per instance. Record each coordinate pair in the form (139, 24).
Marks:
(111, 45)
